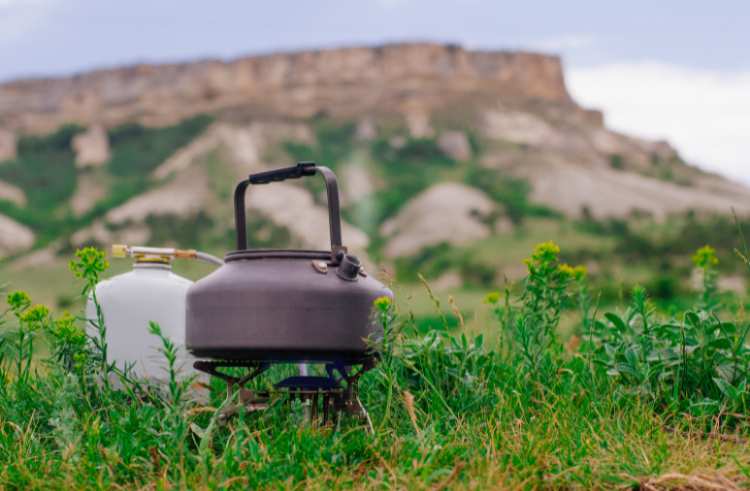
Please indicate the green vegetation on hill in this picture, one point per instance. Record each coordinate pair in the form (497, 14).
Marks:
(406, 169)
(334, 143)
(511, 192)
(171, 229)
(137, 150)
(45, 169)
(405, 165)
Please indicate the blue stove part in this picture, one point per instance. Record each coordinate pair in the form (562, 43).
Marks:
(308, 382)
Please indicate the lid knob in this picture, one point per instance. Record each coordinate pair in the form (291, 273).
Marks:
(349, 268)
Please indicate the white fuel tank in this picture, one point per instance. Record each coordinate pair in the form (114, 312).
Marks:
(150, 292)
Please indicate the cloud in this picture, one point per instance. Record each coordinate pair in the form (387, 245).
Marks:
(704, 113)
(21, 17)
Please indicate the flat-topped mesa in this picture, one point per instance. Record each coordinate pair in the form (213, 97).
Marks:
(345, 81)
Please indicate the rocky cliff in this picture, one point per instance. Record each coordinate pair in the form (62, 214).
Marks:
(413, 79)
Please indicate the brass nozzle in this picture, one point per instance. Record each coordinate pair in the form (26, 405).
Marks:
(119, 250)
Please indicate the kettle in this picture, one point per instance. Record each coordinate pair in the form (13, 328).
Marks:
(285, 305)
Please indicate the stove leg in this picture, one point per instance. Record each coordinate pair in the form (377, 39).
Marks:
(314, 409)
(307, 408)
(326, 408)
(332, 402)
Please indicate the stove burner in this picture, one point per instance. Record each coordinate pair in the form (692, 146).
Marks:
(331, 395)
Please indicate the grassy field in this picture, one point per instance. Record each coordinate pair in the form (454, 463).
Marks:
(624, 398)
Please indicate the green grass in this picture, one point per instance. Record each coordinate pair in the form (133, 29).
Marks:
(623, 400)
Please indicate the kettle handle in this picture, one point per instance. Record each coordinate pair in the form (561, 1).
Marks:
(302, 169)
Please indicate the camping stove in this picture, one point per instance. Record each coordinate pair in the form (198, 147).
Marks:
(280, 306)
(326, 398)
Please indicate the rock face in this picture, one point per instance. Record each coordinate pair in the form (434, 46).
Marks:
(7, 145)
(88, 192)
(448, 212)
(455, 144)
(14, 237)
(91, 147)
(183, 197)
(15, 195)
(571, 188)
(522, 127)
(407, 78)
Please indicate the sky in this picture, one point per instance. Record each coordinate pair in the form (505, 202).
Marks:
(675, 70)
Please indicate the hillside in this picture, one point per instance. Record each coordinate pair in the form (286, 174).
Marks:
(450, 161)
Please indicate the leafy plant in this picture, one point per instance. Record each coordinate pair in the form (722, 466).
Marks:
(177, 385)
(88, 265)
(529, 330)
(696, 363)
(30, 320)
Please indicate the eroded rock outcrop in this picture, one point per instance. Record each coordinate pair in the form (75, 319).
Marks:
(185, 196)
(346, 81)
(14, 194)
(14, 237)
(7, 145)
(604, 192)
(89, 190)
(455, 144)
(449, 212)
(91, 147)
